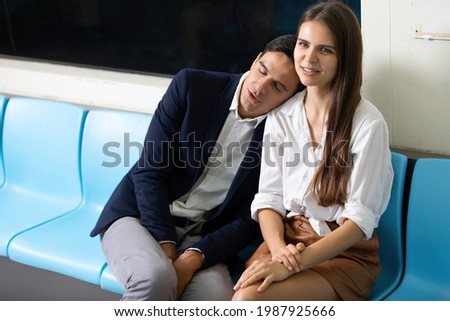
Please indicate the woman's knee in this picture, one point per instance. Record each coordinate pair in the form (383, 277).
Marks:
(246, 294)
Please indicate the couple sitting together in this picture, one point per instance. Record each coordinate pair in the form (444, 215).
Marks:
(288, 149)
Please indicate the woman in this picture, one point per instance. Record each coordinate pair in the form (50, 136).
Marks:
(327, 163)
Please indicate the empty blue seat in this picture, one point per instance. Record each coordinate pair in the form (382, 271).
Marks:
(111, 144)
(3, 101)
(390, 234)
(427, 249)
(41, 146)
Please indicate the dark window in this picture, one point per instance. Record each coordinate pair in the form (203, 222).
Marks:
(145, 35)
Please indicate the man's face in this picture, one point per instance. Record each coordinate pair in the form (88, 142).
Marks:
(271, 81)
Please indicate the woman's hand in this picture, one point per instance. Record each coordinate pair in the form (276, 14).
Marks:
(290, 256)
(264, 269)
(273, 232)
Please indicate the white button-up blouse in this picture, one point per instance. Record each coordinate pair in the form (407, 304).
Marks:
(289, 163)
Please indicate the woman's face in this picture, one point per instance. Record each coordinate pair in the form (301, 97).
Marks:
(315, 55)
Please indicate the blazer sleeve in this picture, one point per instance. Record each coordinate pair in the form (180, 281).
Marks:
(152, 174)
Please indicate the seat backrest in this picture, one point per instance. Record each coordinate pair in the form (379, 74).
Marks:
(41, 146)
(428, 227)
(390, 234)
(3, 101)
(112, 142)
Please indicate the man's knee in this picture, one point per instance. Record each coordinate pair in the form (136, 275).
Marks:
(212, 284)
(151, 282)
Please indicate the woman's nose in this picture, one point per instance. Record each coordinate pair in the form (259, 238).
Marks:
(310, 56)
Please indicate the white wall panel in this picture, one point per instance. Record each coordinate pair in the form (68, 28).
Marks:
(407, 78)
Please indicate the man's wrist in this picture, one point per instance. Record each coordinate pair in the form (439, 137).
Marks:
(195, 256)
(196, 250)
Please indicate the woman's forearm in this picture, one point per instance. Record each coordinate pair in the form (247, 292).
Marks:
(347, 235)
(272, 229)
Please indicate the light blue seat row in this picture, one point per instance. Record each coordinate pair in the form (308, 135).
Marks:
(41, 147)
(110, 146)
(60, 163)
(3, 101)
(427, 263)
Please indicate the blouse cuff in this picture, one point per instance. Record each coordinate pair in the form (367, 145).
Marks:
(267, 200)
(361, 216)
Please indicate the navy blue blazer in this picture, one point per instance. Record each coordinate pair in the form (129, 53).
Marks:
(181, 135)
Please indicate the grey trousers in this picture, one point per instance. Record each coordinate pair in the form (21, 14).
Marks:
(144, 271)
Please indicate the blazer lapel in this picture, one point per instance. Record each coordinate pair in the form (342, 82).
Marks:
(216, 119)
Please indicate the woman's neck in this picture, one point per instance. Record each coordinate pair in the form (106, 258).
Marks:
(316, 108)
(317, 104)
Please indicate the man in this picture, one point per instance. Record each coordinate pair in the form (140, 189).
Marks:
(183, 210)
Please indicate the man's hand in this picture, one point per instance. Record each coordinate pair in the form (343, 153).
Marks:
(186, 265)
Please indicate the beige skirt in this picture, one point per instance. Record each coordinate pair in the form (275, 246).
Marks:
(352, 273)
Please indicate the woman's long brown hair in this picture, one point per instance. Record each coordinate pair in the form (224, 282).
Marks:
(330, 182)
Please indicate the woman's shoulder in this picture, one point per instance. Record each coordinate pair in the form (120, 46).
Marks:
(286, 117)
(290, 107)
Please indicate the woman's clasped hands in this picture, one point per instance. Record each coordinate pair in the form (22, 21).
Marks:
(279, 267)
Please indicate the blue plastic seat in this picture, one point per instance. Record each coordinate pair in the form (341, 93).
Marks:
(111, 141)
(41, 145)
(3, 101)
(109, 282)
(427, 250)
(390, 234)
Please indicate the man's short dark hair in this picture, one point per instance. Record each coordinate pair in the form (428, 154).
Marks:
(285, 44)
